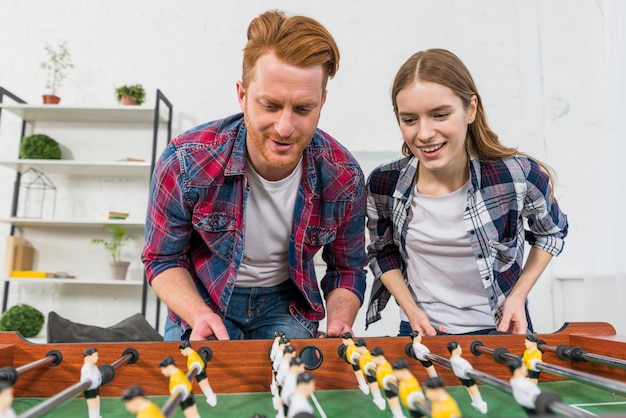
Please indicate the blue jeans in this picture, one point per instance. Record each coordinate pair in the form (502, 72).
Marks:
(256, 313)
(405, 330)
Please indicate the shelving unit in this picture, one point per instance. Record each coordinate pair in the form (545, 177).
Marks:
(124, 119)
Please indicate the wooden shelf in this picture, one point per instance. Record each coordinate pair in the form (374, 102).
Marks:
(71, 223)
(73, 281)
(74, 114)
(73, 167)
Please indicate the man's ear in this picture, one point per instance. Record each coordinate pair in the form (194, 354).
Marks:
(241, 94)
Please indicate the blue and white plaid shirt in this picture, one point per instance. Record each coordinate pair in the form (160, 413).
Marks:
(508, 203)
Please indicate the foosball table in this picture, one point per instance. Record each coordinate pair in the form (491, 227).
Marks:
(583, 363)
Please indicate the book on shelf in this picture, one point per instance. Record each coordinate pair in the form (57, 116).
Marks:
(18, 255)
(32, 274)
(37, 274)
(117, 215)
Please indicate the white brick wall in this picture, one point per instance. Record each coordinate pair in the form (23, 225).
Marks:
(540, 66)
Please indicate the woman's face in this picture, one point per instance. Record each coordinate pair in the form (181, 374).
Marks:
(434, 125)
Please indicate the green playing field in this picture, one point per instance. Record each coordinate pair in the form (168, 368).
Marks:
(353, 403)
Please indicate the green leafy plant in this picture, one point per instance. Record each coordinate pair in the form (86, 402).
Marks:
(135, 92)
(40, 146)
(119, 238)
(25, 319)
(57, 65)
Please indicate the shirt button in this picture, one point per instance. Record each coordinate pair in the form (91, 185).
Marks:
(472, 232)
(486, 278)
(480, 256)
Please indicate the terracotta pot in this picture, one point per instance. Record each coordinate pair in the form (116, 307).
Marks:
(51, 99)
(119, 269)
(129, 101)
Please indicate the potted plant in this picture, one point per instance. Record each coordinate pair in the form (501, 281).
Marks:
(40, 147)
(57, 66)
(23, 318)
(119, 238)
(130, 95)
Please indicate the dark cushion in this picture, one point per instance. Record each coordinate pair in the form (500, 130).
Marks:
(134, 328)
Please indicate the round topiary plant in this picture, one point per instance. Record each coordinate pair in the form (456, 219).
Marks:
(40, 147)
(23, 318)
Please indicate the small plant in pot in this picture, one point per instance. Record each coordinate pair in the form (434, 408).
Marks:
(24, 319)
(119, 238)
(131, 95)
(57, 66)
(40, 147)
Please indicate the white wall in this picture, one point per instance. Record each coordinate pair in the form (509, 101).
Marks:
(548, 71)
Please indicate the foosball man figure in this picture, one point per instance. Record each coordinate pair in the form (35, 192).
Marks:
(368, 367)
(180, 384)
(90, 371)
(136, 403)
(296, 366)
(443, 405)
(282, 343)
(195, 361)
(274, 348)
(278, 335)
(299, 404)
(420, 351)
(532, 355)
(387, 381)
(524, 390)
(409, 389)
(289, 352)
(351, 356)
(6, 399)
(460, 366)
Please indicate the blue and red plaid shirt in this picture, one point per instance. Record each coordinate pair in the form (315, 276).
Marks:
(503, 195)
(196, 219)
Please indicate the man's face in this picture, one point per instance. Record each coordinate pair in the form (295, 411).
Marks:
(282, 106)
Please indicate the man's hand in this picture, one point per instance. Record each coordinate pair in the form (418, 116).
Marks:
(208, 325)
(342, 306)
(337, 328)
(513, 316)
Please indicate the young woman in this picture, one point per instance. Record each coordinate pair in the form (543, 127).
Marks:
(448, 221)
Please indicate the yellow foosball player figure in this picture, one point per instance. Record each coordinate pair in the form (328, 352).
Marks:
(136, 403)
(409, 389)
(6, 400)
(532, 355)
(195, 361)
(90, 371)
(460, 367)
(443, 405)
(351, 356)
(368, 367)
(180, 384)
(387, 381)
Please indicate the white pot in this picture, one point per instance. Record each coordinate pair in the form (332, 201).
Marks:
(119, 269)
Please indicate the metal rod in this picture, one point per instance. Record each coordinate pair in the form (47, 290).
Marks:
(557, 407)
(501, 355)
(129, 356)
(577, 354)
(52, 358)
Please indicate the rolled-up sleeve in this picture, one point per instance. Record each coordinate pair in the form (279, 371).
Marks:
(168, 221)
(547, 224)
